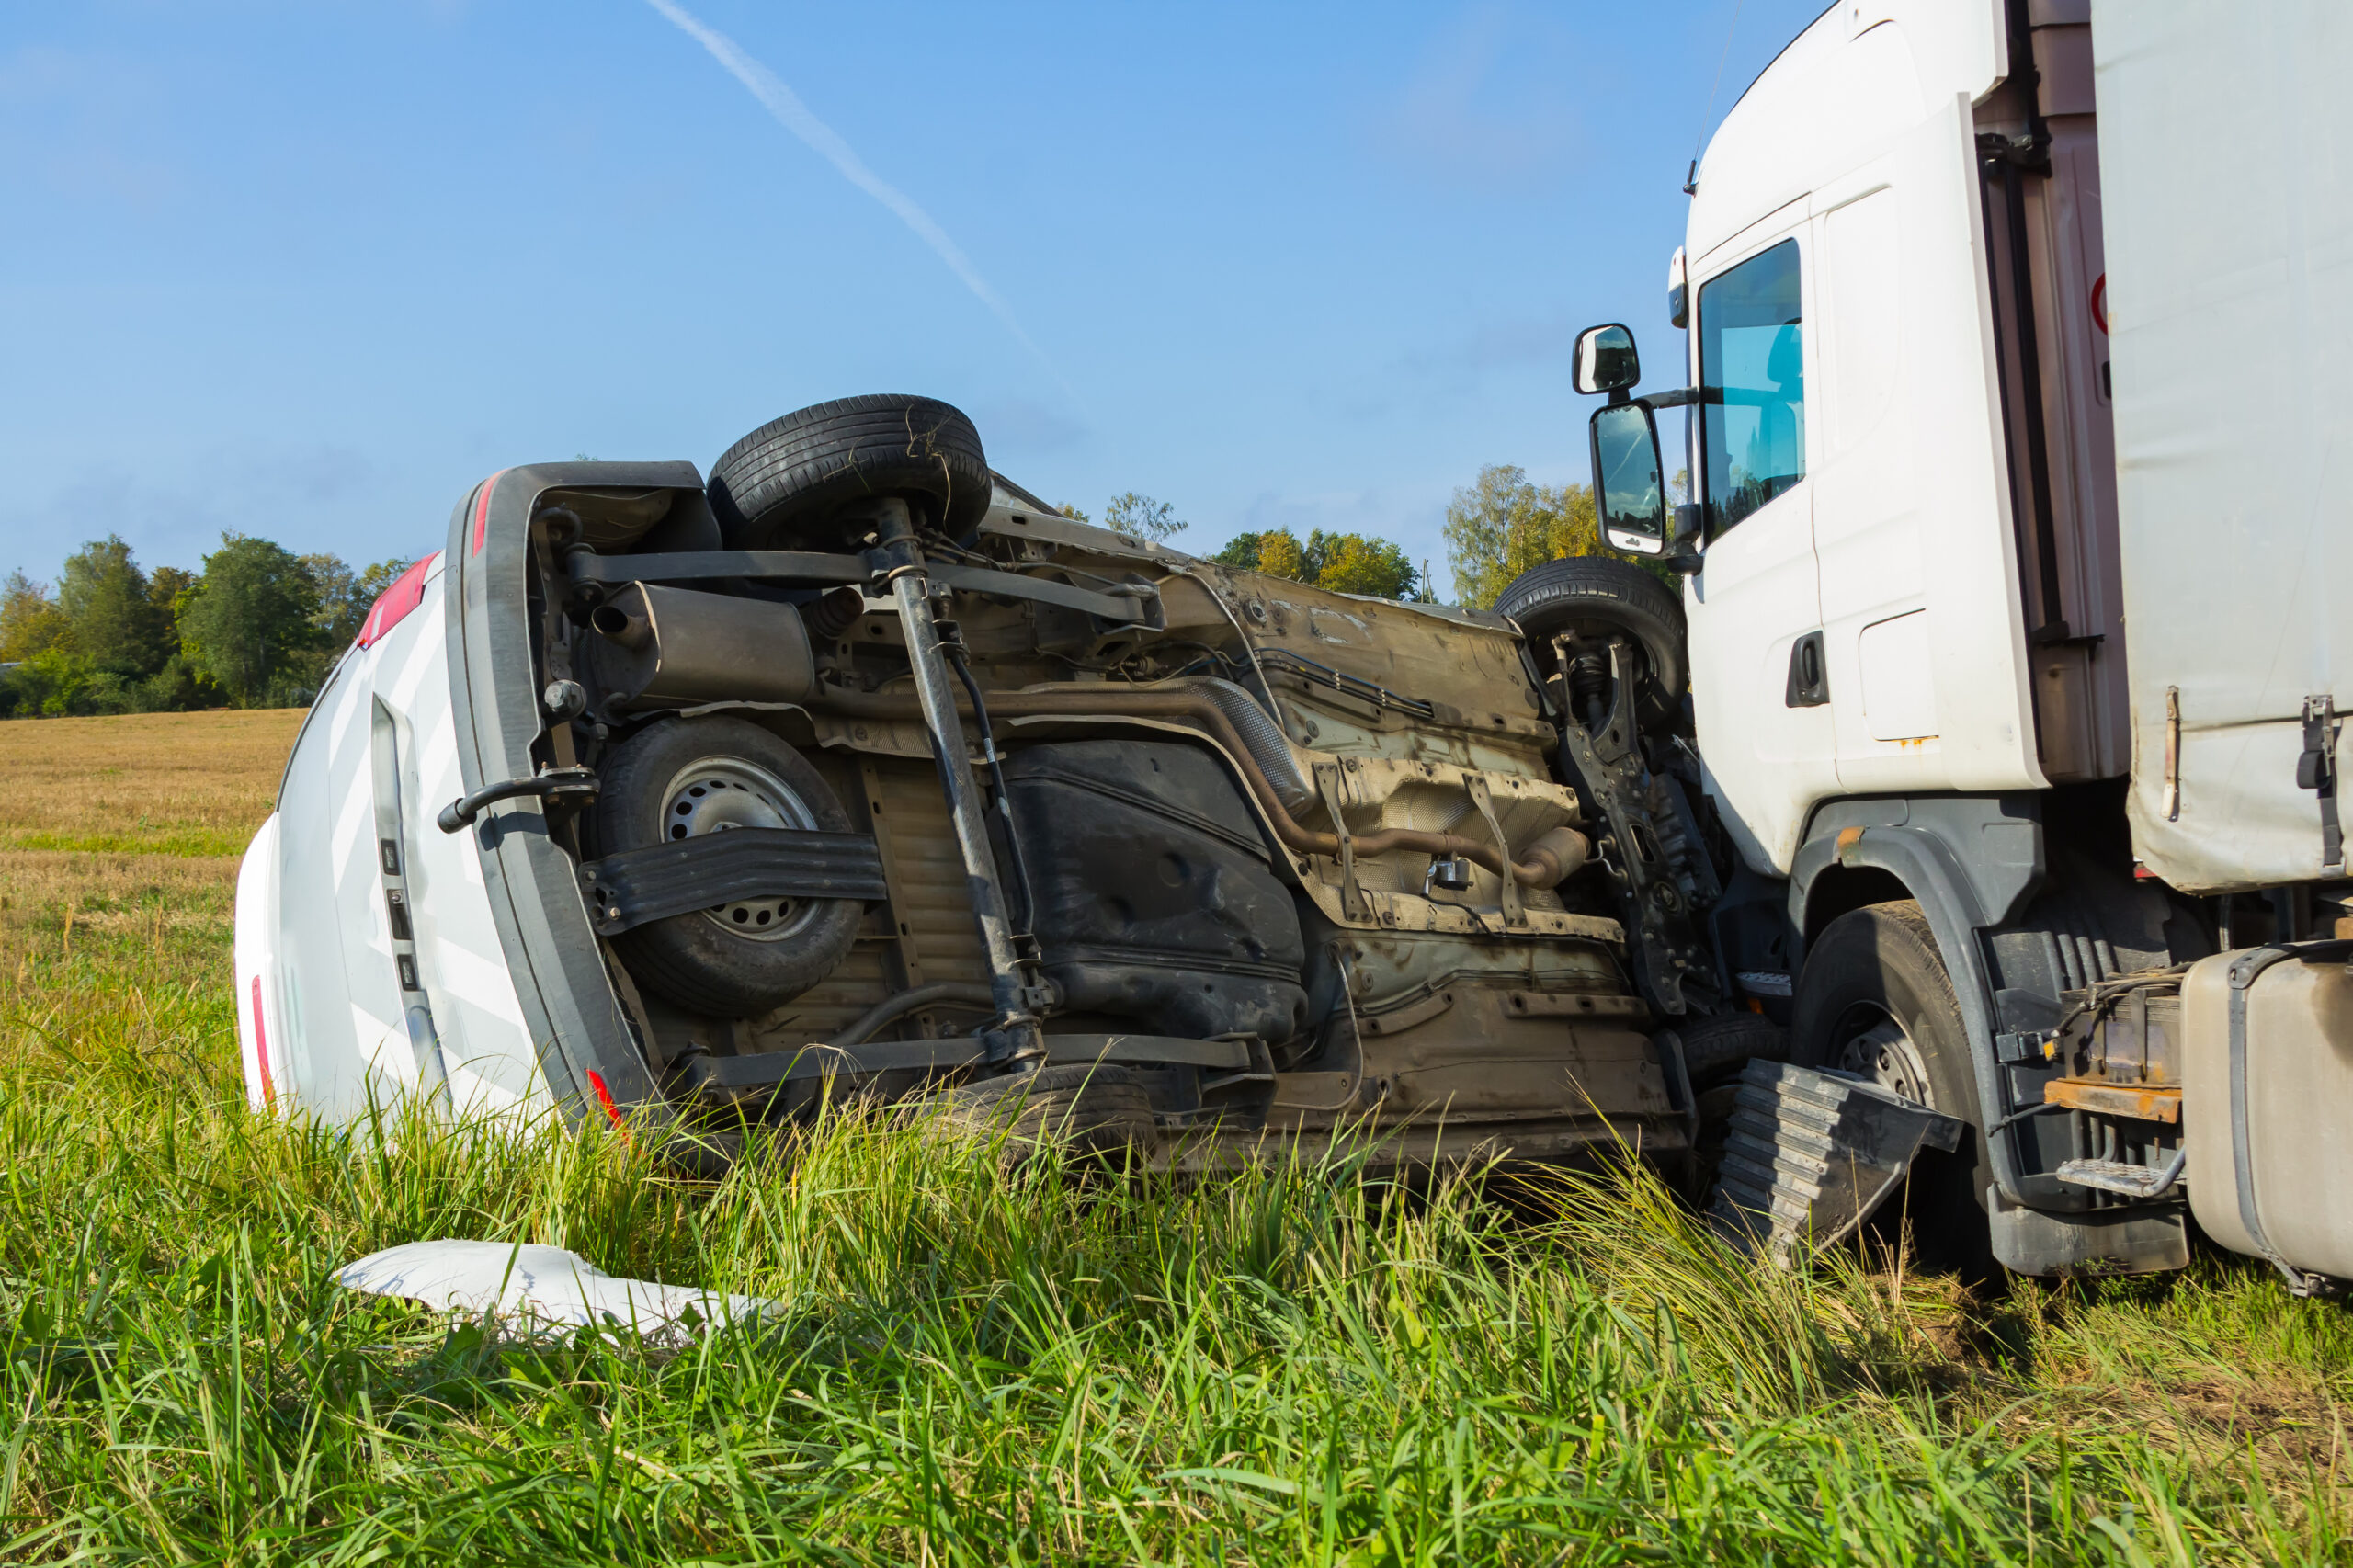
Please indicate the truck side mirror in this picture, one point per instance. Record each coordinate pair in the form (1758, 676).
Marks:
(1627, 488)
(1606, 359)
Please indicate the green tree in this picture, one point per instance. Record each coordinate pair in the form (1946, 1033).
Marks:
(1355, 564)
(247, 624)
(1129, 513)
(1503, 525)
(114, 623)
(51, 683)
(334, 585)
(1241, 553)
(31, 621)
(1345, 563)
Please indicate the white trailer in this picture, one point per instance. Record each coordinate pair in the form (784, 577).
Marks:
(2009, 571)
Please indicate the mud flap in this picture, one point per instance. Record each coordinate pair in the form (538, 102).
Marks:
(2139, 1240)
(1811, 1153)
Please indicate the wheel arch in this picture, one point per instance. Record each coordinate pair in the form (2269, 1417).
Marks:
(1969, 862)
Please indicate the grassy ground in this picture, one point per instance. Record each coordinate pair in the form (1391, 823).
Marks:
(973, 1367)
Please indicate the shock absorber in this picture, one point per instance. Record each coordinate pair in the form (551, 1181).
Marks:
(1020, 992)
(1587, 667)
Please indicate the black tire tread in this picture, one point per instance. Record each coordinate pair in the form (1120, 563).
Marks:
(1715, 1050)
(1581, 591)
(791, 472)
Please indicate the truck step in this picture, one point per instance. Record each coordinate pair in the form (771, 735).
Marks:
(1811, 1152)
(2118, 1176)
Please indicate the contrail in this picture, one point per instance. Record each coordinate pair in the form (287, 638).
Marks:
(785, 104)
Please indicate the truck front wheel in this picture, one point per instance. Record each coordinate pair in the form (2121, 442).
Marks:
(1874, 998)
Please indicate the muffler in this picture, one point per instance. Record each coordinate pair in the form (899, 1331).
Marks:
(659, 647)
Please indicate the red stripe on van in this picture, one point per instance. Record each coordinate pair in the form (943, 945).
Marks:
(261, 1048)
(482, 509)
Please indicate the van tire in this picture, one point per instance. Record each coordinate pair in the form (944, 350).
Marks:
(1881, 963)
(694, 960)
(1593, 594)
(1091, 1109)
(780, 487)
(1715, 1050)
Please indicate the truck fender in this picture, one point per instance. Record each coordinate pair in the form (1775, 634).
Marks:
(1971, 862)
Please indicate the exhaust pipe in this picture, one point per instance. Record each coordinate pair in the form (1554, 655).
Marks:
(657, 647)
(630, 629)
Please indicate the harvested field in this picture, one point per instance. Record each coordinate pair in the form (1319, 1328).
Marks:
(180, 784)
(1291, 1366)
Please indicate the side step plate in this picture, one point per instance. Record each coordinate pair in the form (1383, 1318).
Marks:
(1811, 1152)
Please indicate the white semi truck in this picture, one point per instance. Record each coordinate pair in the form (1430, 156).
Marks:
(2011, 565)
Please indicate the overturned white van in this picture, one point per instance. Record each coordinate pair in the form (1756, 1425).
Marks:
(858, 767)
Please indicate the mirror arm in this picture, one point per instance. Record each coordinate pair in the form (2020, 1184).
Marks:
(1680, 558)
(1677, 397)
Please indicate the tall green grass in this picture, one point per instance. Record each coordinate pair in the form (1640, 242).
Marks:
(1301, 1363)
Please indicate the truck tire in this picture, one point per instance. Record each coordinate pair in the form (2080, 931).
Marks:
(1874, 998)
(1085, 1109)
(779, 487)
(682, 778)
(1592, 596)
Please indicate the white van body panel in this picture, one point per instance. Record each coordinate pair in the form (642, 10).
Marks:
(315, 941)
(1859, 144)
(2230, 302)
(260, 1009)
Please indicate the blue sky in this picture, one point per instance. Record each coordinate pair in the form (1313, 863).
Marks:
(310, 270)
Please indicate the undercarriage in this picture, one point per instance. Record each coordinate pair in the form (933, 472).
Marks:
(889, 785)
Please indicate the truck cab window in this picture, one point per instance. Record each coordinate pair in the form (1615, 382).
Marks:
(1753, 370)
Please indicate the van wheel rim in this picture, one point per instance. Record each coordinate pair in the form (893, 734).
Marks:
(1877, 1047)
(717, 793)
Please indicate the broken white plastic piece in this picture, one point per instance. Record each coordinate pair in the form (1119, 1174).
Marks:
(540, 1288)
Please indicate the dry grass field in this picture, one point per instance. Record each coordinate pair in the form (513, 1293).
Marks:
(972, 1366)
(129, 829)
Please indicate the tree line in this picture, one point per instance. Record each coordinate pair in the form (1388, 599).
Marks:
(1344, 563)
(258, 626)
(1496, 529)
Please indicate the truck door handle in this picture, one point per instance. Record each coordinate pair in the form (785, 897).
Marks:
(1809, 673)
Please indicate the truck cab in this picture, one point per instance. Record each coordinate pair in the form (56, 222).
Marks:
(1930, 478)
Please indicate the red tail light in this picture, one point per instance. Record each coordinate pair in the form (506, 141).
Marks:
(405, 593)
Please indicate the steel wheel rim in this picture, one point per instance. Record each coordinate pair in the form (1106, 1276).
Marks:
(715, 794)
(1873, 1044)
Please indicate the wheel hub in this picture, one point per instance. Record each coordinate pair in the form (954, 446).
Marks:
(716, 794)
(1878, 1049)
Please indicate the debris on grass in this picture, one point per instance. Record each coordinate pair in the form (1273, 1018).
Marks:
(529, 1289)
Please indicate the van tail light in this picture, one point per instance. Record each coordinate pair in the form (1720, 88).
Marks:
(394, 603)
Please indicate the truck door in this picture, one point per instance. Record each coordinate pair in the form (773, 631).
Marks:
(1922, 629)
(1758, 679)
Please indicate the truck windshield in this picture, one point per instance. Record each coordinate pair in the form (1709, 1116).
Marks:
(1753, 431)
